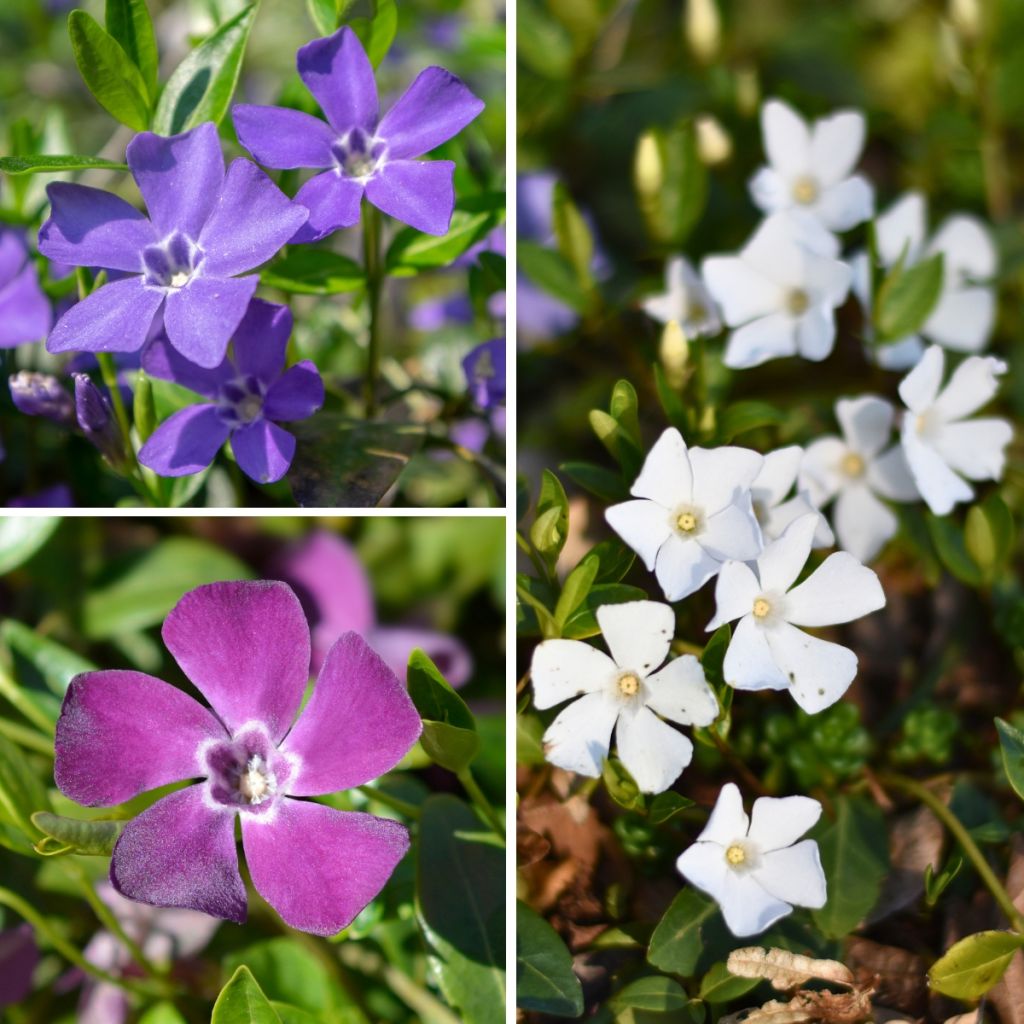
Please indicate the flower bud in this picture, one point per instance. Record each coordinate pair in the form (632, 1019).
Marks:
(748, 91)
(713, 142)
(674, 352)
(40, 394)
(96, 420)
(648, 167)
(966, 18)
(703, 27)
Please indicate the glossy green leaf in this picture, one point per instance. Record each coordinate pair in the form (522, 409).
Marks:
(720, 986)
(583, 622)
(671, 182)
(624, 409)
(989, 534)
(576, 588)
(906, 297)
(617, 440)
(162, 1013)
(289, 973)
(552, 273)
(551, 526)
(21, 793)
(575, 241)
(377, 33)
(415, 250)
(545, 982)
(128, 22)
(89, 838)
(241, 1001)
(974, 965)
(449, 731)
(621, 785)
(308, 271)
(1011, 745)
(713, 657)
(56, 164)
(948, 539)
(676, 943)
(654, 994)
(21, 537)
(665, 806)
(324, 15)
(741, 417)
(599, 481)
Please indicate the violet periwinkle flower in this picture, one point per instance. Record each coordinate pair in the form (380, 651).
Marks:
(41, 394)
(248, 393)
(204, 227)
(484, 367)
(19, 955)
(95, 417)
(246, 648)
(57, 496)
(358, 152)
(25, 313)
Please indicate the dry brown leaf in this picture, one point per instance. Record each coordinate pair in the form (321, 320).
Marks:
(964, 1018)
(915, 841)
(1008, 996)
(898, 976)
(786, 970)
(810, 1008)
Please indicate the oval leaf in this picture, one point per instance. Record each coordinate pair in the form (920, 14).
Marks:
(21, 537)
(241, 1001)
(128, 22)
(545, 981)
(974, 964)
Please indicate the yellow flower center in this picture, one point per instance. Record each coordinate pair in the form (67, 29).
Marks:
(797, 302)
(735, 855)
(805, 190)
(761, 608)
(853, 464)
(686, 522)
(180, 279)
(629, 684)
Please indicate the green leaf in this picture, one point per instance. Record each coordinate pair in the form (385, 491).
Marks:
(289, 973)
(129, 23)
(377, 33)
(449, 730)
(162, 1013)
(56, 164)
(306, 271)
(600, 482)
(575, 241)
(21, 792)
(412, 249)
(109, 73)
(56, 664)
(551, 526)
(972, 966)
(144, 406)
(671, 182)
(324, 15)
(545, 982)
(949, 543)
(296, 1015)
(617, 440)
(583, 622)
(906, 298)
(936, 884)
(670, 399)
(21, 537)
(241, 1001)
(654, 994)
(552, 273)
(1011, 745)
(713, 657)
(855, 855)
(741, 417)
(624, 409)
(615, 560)
(146, 585)
(665, 806)
(460, 906)
(201, 87)
(676, 943)
(989, 534)
(720, 986)
(576, 588)
(621, 785)
(94, 838)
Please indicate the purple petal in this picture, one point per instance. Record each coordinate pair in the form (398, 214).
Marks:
(181, 853)
(282, 138)
(333, 202)
(395, 643)
(434, 108)
(13, 253)
(185, 442)
(418, 193)
(296, 395)
(252, 219)
(264, 451)
(201, 318)
(245, 646)
(19, 955)
(179, 177)
(115, 318)
(358, 724)
(261, 340)
(92, 228)
(122, 733)
(162, 360)
(338, 73)
(318, 867)
(25, 313)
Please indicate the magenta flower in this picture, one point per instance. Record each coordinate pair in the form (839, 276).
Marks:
(248, 393)
(24, 310)
(205, 227)
(359, 154)
(19, 955)
(246, 647)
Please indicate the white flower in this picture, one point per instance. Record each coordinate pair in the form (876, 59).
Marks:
(964, 314)
(769, 492)
(754, 867)
(780, 292)
(941, 445)
(767, 651)
(857, 470)
(625, 693)
(692, 514)
(810, 167)
(686, 300)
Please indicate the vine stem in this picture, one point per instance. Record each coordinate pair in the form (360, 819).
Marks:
(374, 281)
(482, 804)
(914, 788)
(396, 804)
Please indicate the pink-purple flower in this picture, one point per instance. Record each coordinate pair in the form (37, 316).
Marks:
(484, 367)
(19, 956)
(359, 152)
(245, 646)
(248, 394)
(205, 227)
(25, 313)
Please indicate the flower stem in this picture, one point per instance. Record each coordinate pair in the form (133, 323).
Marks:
(396, 804)
(482, 804)
(374, 281)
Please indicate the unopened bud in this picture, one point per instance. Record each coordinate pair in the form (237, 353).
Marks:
(674, 353)
(648, 167)
(96, 420)
(966, 17)
(703, 29)
(748, 91)
(40, 394)
(713, 142)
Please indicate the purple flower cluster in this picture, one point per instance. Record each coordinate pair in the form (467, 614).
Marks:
(25, 313)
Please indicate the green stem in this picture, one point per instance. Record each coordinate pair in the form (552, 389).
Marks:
(374, 281)
(27, 738)
(482, 804)
(10, 689)
(396, 804)
(914, 788)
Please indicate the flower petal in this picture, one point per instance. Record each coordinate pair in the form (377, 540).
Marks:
(358, 724)
(643, 525)
(186, 442)
(338, 73)
(975, 449)
(161, 359)
(318, 867)
(333, 202)
(787, 140)
(749, 909)
(568, 668)
(92, 228)
(122, 733)
(778, 822)
(296, 395)
(847, 204)
(769, 191)
(181, 853)
(665, 476)
(777, 520)
(972, 385)
(777, 475)
(179, 177)
(836, 145)
(902, 228)
(733, 533)
(940, 487)
(749, 662)
(735, 592)
(260, 342)
(264, 451)
(201, 318)
(245, 647)
(769, 337)
(283, 138)
(839, 590)
(721, 475)
(395, 643)
(683, 567)
(419, 193)
(863, 523)
(794, 874)
(920, 387)
(638, 633)
(577, 740)
(962, 320)
(680, 692)
(819, 672)
(114, 318)
(781, 561)
(889, 476)
(728, 821)
(25, 313)
(816, 333)
(653, 752)
(820, 474)
(743, 293)
(967, 247)
(866, 422)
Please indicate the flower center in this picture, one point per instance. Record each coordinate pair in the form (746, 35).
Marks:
(245, 772)
(852, 465)
(736, 854)
(172, 262)
(687, 522)
(241, 401)
(762, 606)
(797, 302)
(805, 191)
(358, 154)
(256, 783)
(629, 684)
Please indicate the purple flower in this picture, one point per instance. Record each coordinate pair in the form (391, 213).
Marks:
(246, 647)
(337, 595)
(19, 955)
(360, 153)
(485, 371)
(40, 394)
(96, 419)
(24, 310)
(204, 227)
(57, 496)
(248, 393)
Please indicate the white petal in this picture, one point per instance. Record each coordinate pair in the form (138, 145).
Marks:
(662, 308)
(781, 247)
(568, 668)
(863, 523)
(777, 475)
(778, 822)
(940, 487)
(653, 752)
(733, 533)
(820, 474)
(736, 589)
(665, 476)
(742, 293)
(967, 247)
(962, 320)
(722, 475)
(728, 821)
(577, 740)
(819, 672)
(794, 874)
(816, 333)
(781, 561)
(846, 204)
(749, 909)
(679, 692)
(839, 590)
(769, 190)
(828, 280)
(638, 633)
(749, 662)
(860, 282)
(898, 355)
(836, 145)
(889, 476)
(787, 140)
(920, 387)
(902, 228)
(779, 518)
(704, 865)
(683, 567)
(770, 337)
(974, 383)
(975, 448)
(643, 525)
(671, 304)
(866, 422)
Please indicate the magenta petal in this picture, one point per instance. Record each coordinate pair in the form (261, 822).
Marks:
(418, 193)
(25, 313)
(318, 867)
(201, 318)
(161, 359)
(245, 646)
(263, 450)
(185, 442)
(261, 340)
(179, 177)
(296, 395)
(395, 643)
(92, 228)
(283, 138)
(122, 733)
(338, 73)
(358, 724)
(434, 108)
(333, 202)
(181, 853)
(115, 318)
(19, 956)
(250, 222)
